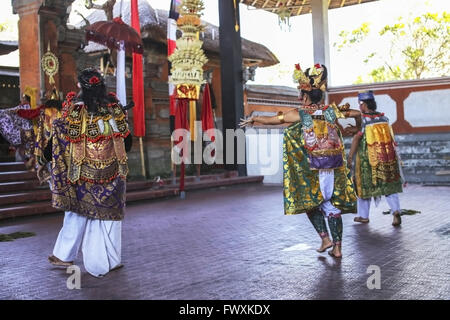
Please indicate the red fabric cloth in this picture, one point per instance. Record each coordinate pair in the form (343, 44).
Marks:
(181, 119)
(138, 79)
(172, 104)
(207, 113)
(29, 113)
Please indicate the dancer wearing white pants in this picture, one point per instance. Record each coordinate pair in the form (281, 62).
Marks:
(100, 243)
(364, 206)
(377, 165)
(88, 176)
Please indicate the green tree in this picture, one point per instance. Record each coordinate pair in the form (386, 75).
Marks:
(3, 26)
(418, 48)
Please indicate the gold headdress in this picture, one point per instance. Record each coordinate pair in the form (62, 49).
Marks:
(312, 78)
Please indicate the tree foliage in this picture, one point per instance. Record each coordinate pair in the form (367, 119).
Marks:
(418, 48)
(107, 7)
(3, 26)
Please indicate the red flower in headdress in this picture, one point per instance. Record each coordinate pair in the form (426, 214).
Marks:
(297, 66)
(70, 95)
(94, 80)
(118, 20)
(317, 66)
(306, 87)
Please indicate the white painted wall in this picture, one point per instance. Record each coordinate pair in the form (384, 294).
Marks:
(385, 104)
(264, 154)
(428, 108)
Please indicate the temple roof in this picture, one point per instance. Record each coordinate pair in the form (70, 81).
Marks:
(154, 27)
(298, 7)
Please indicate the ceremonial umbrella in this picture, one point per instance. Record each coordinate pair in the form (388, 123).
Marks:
(112, 33)
(118, 35)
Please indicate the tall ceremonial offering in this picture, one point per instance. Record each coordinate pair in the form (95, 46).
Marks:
(188, 58)
(187, 67)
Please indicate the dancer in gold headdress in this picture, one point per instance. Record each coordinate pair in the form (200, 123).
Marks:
(316, 179)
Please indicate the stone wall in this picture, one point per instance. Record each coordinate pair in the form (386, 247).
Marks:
(425, 157)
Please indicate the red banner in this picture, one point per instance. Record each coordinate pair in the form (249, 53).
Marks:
(181, 122)
(207, 113)
(138, 78)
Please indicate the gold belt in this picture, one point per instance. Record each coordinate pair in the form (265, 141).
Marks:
(90, 173)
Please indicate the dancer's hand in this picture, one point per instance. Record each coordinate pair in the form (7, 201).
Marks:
(350, 130)
(39, 174)
(349, 163)
(246, 122)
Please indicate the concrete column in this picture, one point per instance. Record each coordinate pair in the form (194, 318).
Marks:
(320, 32)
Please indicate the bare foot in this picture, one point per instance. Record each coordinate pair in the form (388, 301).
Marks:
(336, 252)
(360, 219)
(397, 219)
(326, 243)
(59, 263)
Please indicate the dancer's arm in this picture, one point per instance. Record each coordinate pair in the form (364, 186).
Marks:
(288, 117)
(355, 143)
(351, 130)
(355, 114)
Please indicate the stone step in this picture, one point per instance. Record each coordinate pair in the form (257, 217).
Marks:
(12, 176)
(12, 166)
(44, 194)
(5, 158)
(21, 186)
(27, 209)
(443, 173)
(12, 209)
(30, 185)
(25, 197)
(224, 182)
(173, 190)
(151, 194)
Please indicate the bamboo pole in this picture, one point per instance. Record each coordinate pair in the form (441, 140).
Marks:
(141, 144)
(173, 165)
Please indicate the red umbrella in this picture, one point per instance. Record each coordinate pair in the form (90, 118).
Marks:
(111, 33)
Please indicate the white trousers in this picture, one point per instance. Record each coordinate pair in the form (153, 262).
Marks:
(326, 181)
(364, 205)
(100, 242)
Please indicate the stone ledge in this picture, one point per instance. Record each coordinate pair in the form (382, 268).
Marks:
(14, 205)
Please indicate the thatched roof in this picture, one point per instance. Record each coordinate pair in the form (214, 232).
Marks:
(8, 47)
(298, 7)
(154, 27)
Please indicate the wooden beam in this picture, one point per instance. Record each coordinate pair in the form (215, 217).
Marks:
(342, 3)
(253, 3)
(276, 6)
(265, 4)
(301, 8)
(231, 79)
